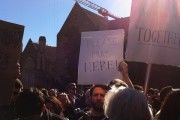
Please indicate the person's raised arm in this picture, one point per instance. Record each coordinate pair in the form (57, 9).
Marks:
(123, 68)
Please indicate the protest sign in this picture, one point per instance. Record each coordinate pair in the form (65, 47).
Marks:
(154, 35)
(100, 53)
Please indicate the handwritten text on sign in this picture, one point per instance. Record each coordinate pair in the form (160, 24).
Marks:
(100, 53)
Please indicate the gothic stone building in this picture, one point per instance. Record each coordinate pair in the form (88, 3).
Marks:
(38, 64)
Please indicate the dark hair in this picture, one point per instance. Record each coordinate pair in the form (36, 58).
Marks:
(18, 84)
(29, 102)
(45, 93)
(55, 105)
(104, 87)
(171, 107)
(70, 85)
(138, 87)
(164, 92)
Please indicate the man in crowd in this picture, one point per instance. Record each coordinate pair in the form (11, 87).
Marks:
(96, 111)
(71, 90)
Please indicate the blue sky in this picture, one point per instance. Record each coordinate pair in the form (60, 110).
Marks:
(46, 17)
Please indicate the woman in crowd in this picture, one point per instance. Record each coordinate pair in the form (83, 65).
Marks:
(127, 104)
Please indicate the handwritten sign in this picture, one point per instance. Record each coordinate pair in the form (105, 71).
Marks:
(100, 53)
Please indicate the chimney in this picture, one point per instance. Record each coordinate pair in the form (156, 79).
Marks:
(42, 41)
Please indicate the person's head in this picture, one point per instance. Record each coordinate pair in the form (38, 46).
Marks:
(151, 93)
(127, 104)
(54, 105)
(97, 94)
(45, 93)
(171, 106)
(29, 103)
(71, 88)
(52, 92)
(164, 92)
(18, 87)
(64, 99)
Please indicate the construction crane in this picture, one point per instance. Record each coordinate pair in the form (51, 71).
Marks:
(104, 12)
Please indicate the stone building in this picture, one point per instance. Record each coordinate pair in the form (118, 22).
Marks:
(11, 35)
(68, 41)
(38, 64)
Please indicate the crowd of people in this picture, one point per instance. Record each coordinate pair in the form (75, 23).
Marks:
(118, 100)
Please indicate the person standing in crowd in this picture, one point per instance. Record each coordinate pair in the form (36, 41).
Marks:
(18, 87)
(7, 111)
(72, 92)
(123, 102)
(30, 105)
(96, 111)
(127, 104)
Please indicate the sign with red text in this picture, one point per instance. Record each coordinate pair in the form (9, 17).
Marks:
(100, 53)
(154, 32)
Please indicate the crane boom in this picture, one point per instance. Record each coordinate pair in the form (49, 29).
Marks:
(104, 12)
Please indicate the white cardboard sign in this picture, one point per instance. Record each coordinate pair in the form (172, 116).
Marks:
(154, 32)
(100, 53)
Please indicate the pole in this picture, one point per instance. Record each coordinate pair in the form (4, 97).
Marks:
(147, 78)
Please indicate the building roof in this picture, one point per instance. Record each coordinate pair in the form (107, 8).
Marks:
(80, 18)
(12, 26)
(119, 23)
(33, 48)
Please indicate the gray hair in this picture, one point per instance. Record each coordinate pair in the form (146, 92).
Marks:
(127, 104)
